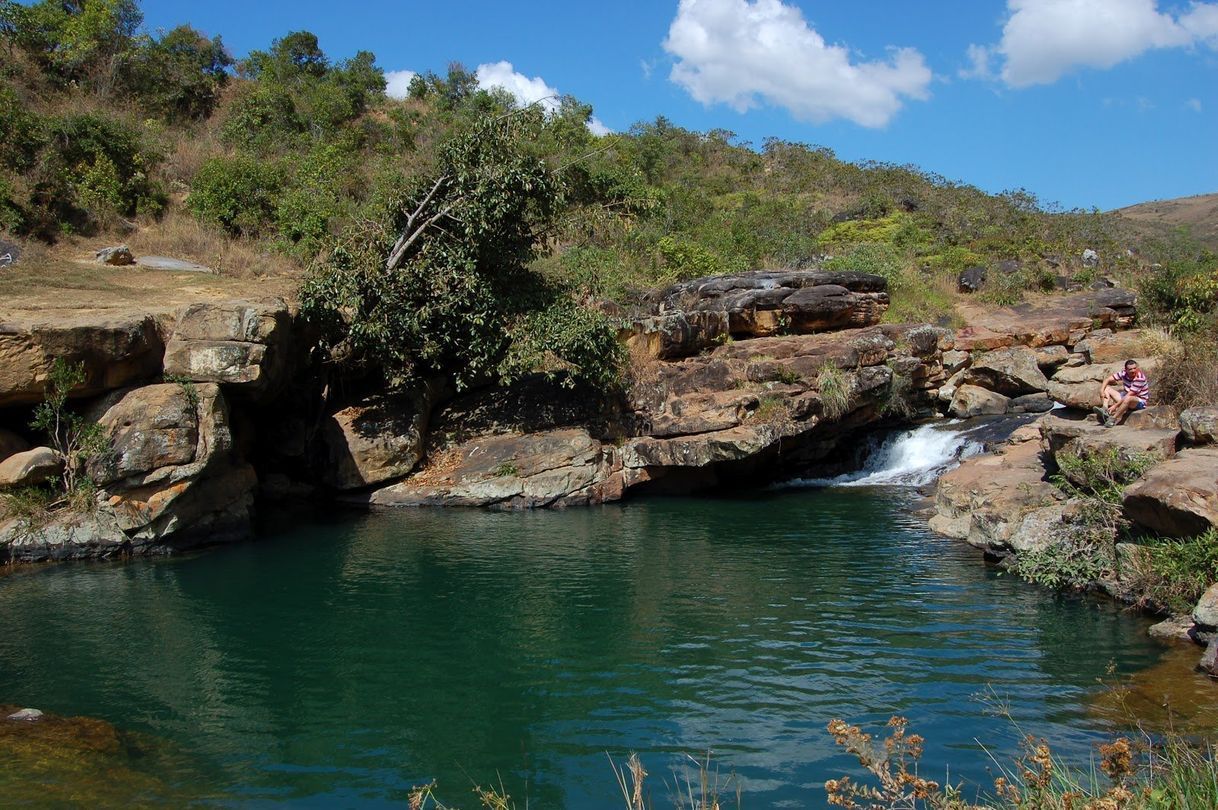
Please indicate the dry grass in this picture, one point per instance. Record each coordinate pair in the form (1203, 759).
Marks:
(1188, 374)
(180, 236)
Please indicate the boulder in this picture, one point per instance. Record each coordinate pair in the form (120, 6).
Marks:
(117, 256)
(11, 443)
(30, 468)
(553, 468)
(214, 505)
(150, 427)
(116, 349)
(1012, 372)
(972, 279)
(163, 492)
(1174, 628)
(999, 502)
(764, 302)
(956, 360)
(677, 334)
(1049, 358)
(10, 254)
(1031, 403)
(26, 715)
(377, 440)
(1178, 498)
(239, 344)
(1209, 660)
(1200, 425)
(1154, 417)
(1091, 258)
(1206, 611)
(972, 400)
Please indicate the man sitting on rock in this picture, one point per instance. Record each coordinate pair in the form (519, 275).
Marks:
(1115, 406)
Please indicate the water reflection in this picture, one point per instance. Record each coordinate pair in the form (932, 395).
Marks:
(343, 660)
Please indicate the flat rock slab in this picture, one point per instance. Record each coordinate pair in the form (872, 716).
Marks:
(761, 303)
(175, 265)
(999, 502)
(1086, 437)
(116, 348)
(1062, 320)
(1178, 498)
(514, 471)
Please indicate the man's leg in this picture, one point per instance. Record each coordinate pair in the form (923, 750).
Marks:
(1123, 407)
(1111, 398)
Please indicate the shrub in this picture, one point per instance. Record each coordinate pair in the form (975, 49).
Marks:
(89, 169)
(568, 342)
(878, 258)
(1175, 573)
(1085, 549)
(262, 119)
(239, 194)
(854, 231)
(77, 440)
(1182, 293)
(836, 391)
(685, 259)
(1188, 374)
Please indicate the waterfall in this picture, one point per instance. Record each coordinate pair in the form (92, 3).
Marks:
(908, 458)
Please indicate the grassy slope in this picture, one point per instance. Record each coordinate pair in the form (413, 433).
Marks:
(1199, 214)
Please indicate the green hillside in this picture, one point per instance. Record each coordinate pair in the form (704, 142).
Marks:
(268, 164)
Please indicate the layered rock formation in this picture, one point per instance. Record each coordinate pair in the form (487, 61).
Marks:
(173, 476)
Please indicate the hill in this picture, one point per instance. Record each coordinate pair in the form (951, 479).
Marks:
(525, 227)
(1198, 214)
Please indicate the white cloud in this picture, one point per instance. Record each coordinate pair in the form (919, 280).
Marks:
(526, 91)
(1043, 40)
(1193, 104)
(1202, 22)
(747, 52)
(503, 76)
(597, 128)
(979, 63)
(397, 82)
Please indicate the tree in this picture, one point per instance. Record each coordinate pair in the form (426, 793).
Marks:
(180, 75)
(72, 40)
(440, 281)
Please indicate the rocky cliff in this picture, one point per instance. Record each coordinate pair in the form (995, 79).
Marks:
(212, 404)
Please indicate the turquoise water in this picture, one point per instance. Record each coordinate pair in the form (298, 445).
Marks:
(341, 659)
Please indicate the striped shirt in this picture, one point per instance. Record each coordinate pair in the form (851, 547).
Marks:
(1135, 384)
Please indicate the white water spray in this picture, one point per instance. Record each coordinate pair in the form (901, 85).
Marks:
(911, 458)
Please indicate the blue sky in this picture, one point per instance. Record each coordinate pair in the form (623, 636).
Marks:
(1086, 103)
